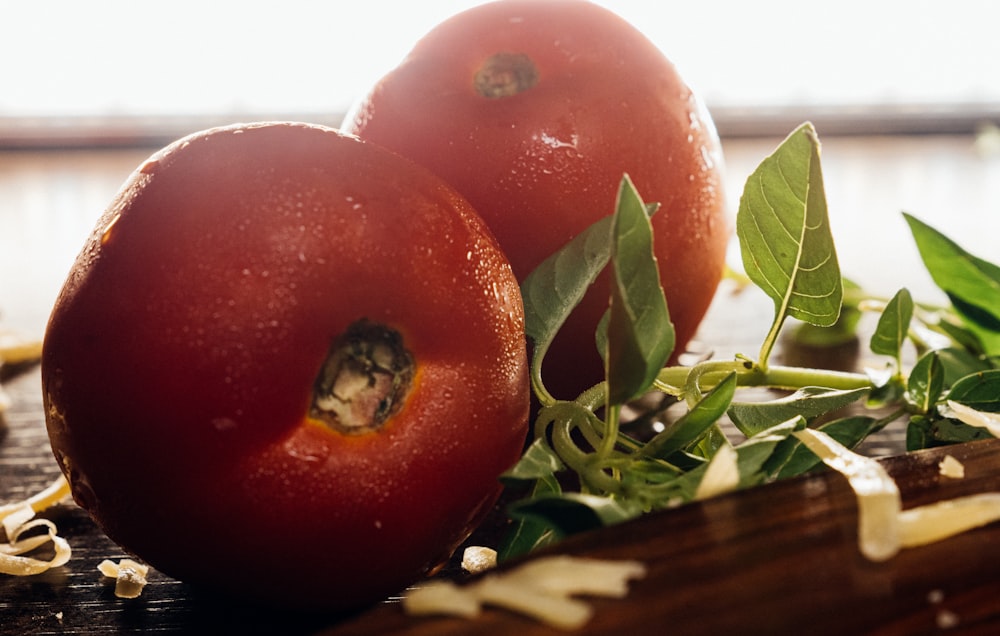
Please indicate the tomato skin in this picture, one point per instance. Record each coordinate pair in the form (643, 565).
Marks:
(544, 163)
(180, 358)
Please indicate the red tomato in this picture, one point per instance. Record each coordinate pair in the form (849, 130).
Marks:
(287, 364)
(534, 110)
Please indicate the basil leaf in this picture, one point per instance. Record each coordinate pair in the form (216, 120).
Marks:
(794, 458)
(751, 458)
(554, 288)
(893, 325)
(755, 453)
(785, 239)
(539, 461)
(959, 363)
(640, 336)
(926, 382)
(571, 512)
(980, 391)
(690, 427)
(529, 533)
(972, 284)
(753, 417)
(932, 430)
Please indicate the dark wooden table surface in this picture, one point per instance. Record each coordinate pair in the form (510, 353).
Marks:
(777, 559)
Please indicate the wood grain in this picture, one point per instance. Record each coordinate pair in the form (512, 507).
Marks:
(779, 559)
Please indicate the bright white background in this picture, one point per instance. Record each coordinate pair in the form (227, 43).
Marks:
(102, 57)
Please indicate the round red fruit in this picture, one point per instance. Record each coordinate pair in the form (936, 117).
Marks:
(534, 110)
(287, 365)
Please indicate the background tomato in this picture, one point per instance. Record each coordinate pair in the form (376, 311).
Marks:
(180, 361)
(533, 110)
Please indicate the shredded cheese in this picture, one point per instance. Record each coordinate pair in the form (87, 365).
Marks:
(21, 530)
(476, 559)
(951, 467)
(883, 528)
(130, 576)
(722, 474)
(938, 521)
(542, 589)
(879, 502)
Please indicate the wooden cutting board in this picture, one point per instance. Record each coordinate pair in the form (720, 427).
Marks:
(778, 559)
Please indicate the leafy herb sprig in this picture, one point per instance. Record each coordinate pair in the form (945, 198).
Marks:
(585, 469)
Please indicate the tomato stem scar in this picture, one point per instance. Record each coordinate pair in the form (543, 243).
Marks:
(364, 379)
(505, 74)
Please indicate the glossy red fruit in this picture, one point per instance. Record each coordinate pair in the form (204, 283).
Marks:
(534, 110)
(288, 365)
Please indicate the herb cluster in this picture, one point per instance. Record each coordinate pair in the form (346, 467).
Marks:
(584, 469)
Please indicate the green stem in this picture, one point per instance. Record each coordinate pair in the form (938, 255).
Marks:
(709, 374)
(612, 420)
(769, 340)
(780, 377)
(580, 461)
(543, 395)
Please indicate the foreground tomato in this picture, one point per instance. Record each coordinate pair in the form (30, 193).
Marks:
(533, 110)
(287, 364)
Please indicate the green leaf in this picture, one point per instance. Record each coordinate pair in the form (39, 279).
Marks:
(753, 417)
(893, 325)
(958, 363)
(571, 512)
(690, 427)
(920, 432)
(751, 457)
(785, 238)
(794, 458)
(926, 382)
(755, 452)
(980, 391)
(930, 431)
(972, 284)
(640, 336)
(539, 461)
(529, 533)
(955, 328)
(554, 288)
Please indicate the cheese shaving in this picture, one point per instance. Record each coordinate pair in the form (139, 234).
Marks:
(944, 519)
(476, 559)
(951, 467)
(542, 589)
(722, 474)
(883, 527)
(21, 530)
(12, 559)
(130, 576)
(879, 502)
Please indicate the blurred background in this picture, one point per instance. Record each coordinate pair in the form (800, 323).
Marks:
(108, 68)
(905, 95)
